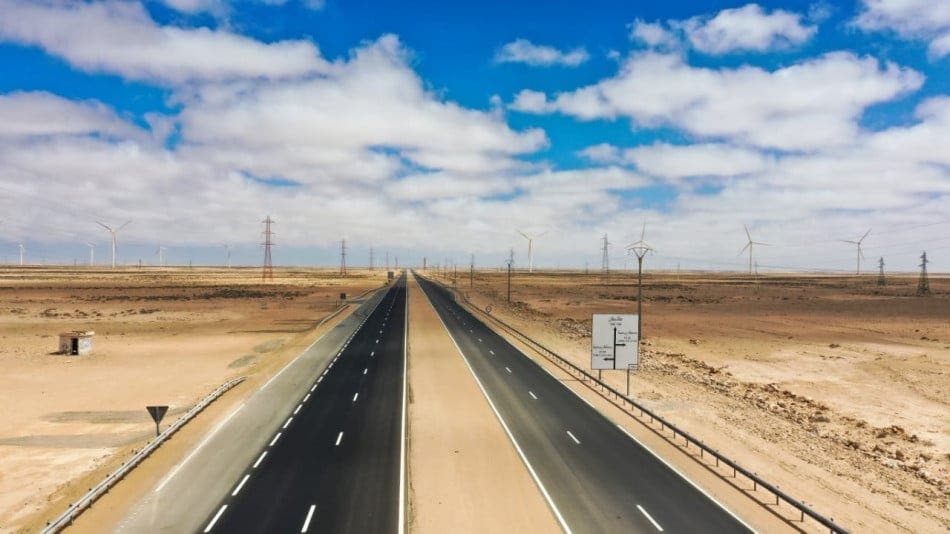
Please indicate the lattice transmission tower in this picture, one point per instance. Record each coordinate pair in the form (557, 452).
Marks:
(268, 272)
(881, 281)
(343, 257)
(605, 260)
(923, 285)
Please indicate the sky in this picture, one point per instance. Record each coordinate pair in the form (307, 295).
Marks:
(440, 129)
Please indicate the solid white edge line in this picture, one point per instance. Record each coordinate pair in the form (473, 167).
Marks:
(402, 444)
(196, 449)
(306, 522)
(534, 475)
(339, 438)
(259, 460)
(215, 518)
(240, 485)
(574, 437)
(684, 477)
(648, 516)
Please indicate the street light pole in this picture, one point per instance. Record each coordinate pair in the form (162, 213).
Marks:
(640, 248)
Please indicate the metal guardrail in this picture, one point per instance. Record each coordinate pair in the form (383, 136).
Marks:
(101, 488)
(704, 449)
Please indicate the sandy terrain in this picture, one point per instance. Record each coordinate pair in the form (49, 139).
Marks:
(465, 475)
(831, 387)
(165, 336)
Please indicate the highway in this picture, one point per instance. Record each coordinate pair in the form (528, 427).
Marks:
(595, 476)
(335, 463)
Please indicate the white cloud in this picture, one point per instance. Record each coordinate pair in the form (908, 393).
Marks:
(746, 28)
(806, 106)
(601, 153)
(119, 37)
(681, 161)
(926, 20)
(29, 114)
(524, 51)
(530, 101)
(373, 109)
(652, 34)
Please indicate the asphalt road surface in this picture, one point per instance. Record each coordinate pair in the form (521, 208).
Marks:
(335, 464)
(595, 476)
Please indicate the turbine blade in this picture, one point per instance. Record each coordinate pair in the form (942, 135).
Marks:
(747, 245)
(643, 232)
(747, 232)
(865, 235)
(104, 226)
(126, 223)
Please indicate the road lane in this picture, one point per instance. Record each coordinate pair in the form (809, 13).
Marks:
(335, 465)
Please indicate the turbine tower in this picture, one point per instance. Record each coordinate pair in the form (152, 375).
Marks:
(531, 239)
(115, 239)
(858, 243)
(92, 253)
(227, 253)
(161, 255)
(22, 249)
(750, 245)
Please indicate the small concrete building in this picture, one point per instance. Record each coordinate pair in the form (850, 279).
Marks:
(76, 343)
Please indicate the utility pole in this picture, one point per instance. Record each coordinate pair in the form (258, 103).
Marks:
(471, 273)
(923, 285)
(343, 257)
(268, 272)
(455, 275)
(880, 275)
(387, 260)
(370, 258)
(605, 260)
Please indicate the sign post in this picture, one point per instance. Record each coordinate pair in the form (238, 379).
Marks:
(157, 413)
(615, 343)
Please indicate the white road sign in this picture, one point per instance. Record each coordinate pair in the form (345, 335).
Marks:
(614, 341)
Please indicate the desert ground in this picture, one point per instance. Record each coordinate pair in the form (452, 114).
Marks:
(162, 336)
(832, 387)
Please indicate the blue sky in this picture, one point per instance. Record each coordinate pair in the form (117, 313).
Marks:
(227, 111)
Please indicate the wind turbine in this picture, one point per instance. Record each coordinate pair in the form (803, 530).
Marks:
(115, 239)
(858, 243)
(749, 246)
(22, 248)
(227, 251)
(531, 239)
(92, 253)
(161, 255)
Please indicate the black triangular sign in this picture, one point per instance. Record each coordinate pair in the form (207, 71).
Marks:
(157, 412)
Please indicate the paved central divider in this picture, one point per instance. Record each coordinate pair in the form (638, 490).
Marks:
(464, 472)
